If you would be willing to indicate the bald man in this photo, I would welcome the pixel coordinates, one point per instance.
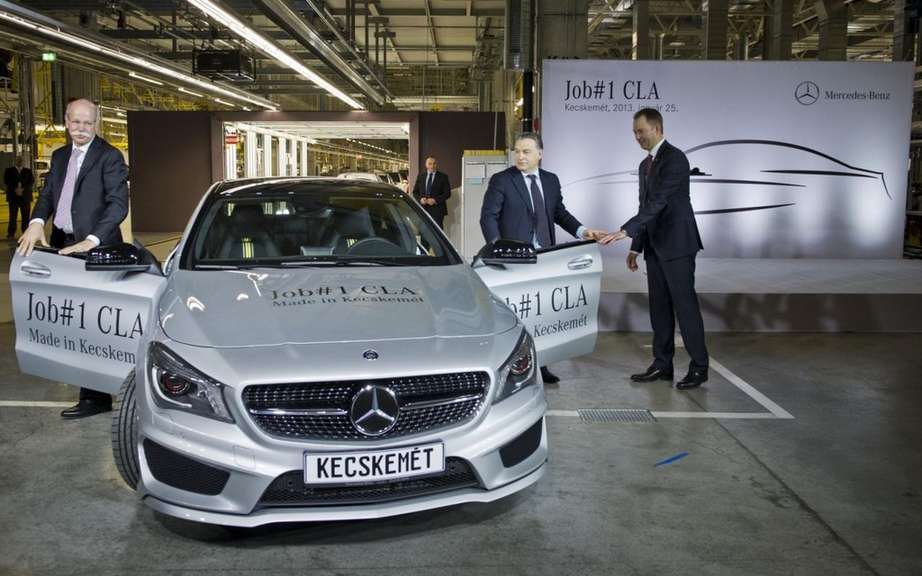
(86, 196)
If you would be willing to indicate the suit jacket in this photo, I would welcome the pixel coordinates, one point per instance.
(441, 191)
(13, 178)
(666, 220)
(507, 211)
(100, 194)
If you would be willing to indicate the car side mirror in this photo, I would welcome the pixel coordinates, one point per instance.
(504, 251)
(118, 257)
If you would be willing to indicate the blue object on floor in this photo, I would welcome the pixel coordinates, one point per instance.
(671, 459)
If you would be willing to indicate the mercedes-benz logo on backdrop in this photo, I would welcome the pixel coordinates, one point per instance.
(374, 410)
(807, 93)
(370, 355)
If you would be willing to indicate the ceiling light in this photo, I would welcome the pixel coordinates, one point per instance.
(270, 48)
(131, 59)
(191, 93)
(145, 78)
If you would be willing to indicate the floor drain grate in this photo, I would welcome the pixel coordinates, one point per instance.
(601, 415)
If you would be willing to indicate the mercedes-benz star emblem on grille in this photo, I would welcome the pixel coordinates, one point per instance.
(807, 93)
(374, 410)
(370, 355)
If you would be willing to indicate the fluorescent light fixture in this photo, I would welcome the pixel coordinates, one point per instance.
(219, 101)
(120, 114)
(131, 59)
(115, 120)
(247, 109)
(271, 49)
(191, 93)
(53, 127)
(145, 78)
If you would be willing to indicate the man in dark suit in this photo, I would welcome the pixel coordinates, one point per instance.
(524, 202)
(432, 190)
(665, 231)
(86, 194)
(18, 182)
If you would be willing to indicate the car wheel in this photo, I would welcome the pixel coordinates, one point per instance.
(125, 433)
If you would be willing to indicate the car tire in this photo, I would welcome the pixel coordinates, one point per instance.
(125, 433)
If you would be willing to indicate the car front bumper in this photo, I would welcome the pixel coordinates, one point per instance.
(491, 445)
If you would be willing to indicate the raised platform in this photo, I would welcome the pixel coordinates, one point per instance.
(796, 295)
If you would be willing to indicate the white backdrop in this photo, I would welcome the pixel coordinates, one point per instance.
(797, 159)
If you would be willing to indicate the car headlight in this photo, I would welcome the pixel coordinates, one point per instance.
(519, 370)
(179, 386)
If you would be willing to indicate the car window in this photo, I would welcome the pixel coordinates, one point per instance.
(316, 228)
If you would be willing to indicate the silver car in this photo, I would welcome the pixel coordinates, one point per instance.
(312, 349)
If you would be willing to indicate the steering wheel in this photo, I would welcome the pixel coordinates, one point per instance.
(375, 246)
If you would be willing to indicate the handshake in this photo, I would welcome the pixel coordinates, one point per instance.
(603, 237)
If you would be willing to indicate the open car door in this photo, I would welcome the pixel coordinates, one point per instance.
(556, 297)
(79, 326)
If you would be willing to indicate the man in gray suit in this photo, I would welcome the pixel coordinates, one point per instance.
(86, 195)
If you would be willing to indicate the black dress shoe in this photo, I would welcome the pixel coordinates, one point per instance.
(695, 377)
(85, 408)
(548, 376)
(652, 374)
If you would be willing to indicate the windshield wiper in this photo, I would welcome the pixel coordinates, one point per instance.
(233, 266)
(346, 262)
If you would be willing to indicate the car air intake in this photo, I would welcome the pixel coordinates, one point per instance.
(178, 471)
(523, 446)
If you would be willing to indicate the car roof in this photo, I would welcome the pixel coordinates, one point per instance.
(284, 185)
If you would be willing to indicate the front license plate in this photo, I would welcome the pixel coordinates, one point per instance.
(394, 464)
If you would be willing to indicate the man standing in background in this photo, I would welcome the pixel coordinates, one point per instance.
(18, 182)
(432, 190)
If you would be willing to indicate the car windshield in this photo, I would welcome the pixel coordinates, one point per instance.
(339, 226)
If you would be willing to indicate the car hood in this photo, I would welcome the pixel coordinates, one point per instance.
(266, 307)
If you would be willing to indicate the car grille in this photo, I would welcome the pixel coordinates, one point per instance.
(289, 489)
(320, 410)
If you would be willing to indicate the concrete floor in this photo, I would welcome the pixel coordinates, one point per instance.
(835, 490)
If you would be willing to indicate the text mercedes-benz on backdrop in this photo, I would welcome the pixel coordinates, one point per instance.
(312, 350)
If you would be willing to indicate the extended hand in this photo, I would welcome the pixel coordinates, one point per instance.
(619, 235)
(33, 234)
(82, 246)
(632, 261)
(594, 234)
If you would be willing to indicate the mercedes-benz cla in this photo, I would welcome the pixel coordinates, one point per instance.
(313, 349)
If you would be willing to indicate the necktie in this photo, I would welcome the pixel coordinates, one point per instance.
(649, 164)
(543, 231)
(429, 184)
(62, 217)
